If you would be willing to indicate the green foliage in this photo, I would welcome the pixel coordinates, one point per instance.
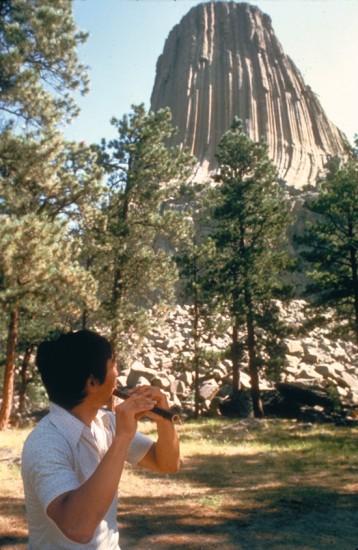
(197, 252)
(130, 256)
(38, 62)
(194, 261)
(330, 243)
(43, 185)
(46, 175)
(271, 346)
(46, 184)
(250, 220)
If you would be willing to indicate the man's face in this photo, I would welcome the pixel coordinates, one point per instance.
(110, 381)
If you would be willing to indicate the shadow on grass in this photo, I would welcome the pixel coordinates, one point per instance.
(246, 505)
(12, 509)
(10, 506)
(285, 520)
(156, 523)
(13, 543)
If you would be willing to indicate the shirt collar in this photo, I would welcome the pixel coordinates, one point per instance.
(66, 423)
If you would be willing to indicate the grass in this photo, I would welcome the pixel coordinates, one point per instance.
(276, 485)
(12, 510)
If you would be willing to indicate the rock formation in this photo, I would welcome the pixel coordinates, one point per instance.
(223, 59)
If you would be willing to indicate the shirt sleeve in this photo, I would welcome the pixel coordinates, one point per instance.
(47, 467)
(138, 448)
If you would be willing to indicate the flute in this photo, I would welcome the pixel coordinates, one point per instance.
(122, 393)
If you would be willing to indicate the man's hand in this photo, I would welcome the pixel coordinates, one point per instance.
(164, 454)
(128, 413)
(159, 398)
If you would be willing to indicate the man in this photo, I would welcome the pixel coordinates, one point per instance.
(73, 460)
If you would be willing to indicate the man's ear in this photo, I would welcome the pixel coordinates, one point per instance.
(91, 384)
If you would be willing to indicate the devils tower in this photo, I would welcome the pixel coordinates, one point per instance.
(223, 60)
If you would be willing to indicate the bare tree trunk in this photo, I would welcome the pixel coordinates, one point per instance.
(24, 376)
(116, 298)
(354, 268)
(196, 361)
(123, 232)
(251, 348)
(84, 319)
(9, 375)
(235, 358)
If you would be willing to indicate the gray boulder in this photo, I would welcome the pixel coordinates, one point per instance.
(137, 371)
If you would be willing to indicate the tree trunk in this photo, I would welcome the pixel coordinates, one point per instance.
(196, 361)
(354, 267)
(9, 375)
(122, 232)
(84, 318)
(115, 302)
(24, 376)
(251, 347)
(235, 358)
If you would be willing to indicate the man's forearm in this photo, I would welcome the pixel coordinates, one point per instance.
(167, 454)
(163, 456)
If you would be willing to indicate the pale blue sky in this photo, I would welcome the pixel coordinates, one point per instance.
(127, 36)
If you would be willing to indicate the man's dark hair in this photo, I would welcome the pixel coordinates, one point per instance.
(66, 364)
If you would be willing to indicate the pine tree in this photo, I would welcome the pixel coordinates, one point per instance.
(135, 268)
(39, 68)
(250, 222)
(194, 261)
(38, 272)
(42, 178)
(42, 186)
(330, 244)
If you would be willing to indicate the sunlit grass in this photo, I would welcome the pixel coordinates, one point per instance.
(274, 436)
(12, 510)
(11, 442)
(13, 438)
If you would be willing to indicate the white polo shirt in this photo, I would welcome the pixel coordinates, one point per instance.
(58, 456)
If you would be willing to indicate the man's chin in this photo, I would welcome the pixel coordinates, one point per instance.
(108, 402)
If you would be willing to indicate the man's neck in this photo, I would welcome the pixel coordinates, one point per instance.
(86, 412)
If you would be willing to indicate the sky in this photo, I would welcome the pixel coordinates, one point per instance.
(126, 38)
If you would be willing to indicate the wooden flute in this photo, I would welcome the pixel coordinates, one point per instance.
(123, 393)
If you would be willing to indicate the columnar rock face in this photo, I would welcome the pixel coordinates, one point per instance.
(222, 60)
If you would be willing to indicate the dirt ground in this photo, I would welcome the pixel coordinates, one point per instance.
(232, 495)
(258, 515)
(284, 526)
